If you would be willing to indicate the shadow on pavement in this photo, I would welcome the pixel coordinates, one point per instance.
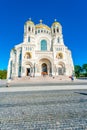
(81, 93)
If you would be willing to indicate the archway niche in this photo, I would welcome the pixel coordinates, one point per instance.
(45, 66)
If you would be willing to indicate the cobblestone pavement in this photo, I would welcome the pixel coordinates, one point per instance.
(47, 110)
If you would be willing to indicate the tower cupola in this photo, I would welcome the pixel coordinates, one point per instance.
(56, 28)
(29, 30)
(29, 27)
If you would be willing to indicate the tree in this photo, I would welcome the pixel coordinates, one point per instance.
(3, 74)
(77, 69)
(84, 67)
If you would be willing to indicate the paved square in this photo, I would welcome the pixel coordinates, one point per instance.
(44, 110)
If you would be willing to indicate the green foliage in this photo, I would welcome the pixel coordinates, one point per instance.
(80, 71)
(85, 75)
(3, 74)
(77, 69)
(85, 67)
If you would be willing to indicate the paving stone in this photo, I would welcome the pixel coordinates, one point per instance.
(47, 110)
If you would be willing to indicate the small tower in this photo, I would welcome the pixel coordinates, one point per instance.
(56, 30)
(29, 31)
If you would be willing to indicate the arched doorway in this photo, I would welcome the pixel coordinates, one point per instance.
(44, 68)
(61, 69)
(28, 69)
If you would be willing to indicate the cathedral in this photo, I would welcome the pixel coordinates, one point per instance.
(42, 52)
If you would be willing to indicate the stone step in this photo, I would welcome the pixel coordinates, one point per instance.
(41, 79)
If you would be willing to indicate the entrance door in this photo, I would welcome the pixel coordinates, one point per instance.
(60, 71)
(28, 72)
(44, 68)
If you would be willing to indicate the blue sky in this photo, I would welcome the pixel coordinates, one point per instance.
(72, 14)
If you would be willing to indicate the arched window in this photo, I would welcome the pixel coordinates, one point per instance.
(57, 29)
(43, 45)
(29, 29)
(20, 56)
(27, 55)
(11, 67)
(59, 56)
(41, 31)
(38, 31)
(29, 39)
(58, 40)
(19, 68)
(54, 30)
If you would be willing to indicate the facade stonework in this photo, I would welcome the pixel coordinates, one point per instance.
(42, 52)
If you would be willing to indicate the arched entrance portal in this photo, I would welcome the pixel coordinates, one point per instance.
(61, 69)
(28, 69)
(44, 68)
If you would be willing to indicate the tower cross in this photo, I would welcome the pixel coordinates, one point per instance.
(55, 20)
(29, 19)
(41, 21)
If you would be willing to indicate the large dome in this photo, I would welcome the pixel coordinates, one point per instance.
(43, 26)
